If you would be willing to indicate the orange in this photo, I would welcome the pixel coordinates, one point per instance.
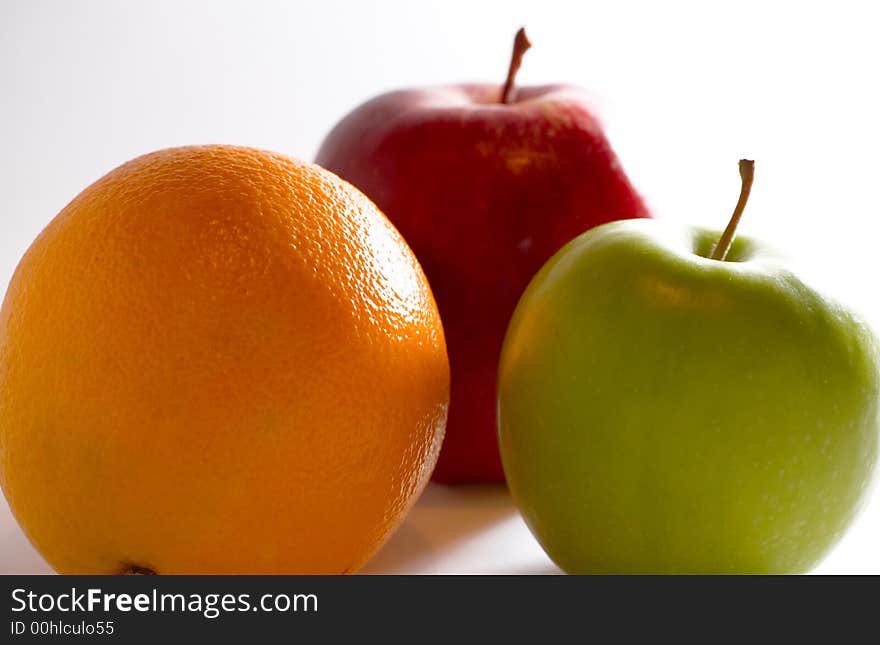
(218, 360)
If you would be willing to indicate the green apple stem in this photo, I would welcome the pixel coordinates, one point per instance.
(520, 45)
(747, 174)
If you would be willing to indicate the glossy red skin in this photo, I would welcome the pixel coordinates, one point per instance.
(484, 194)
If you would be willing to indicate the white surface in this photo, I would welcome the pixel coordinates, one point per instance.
(686, 89)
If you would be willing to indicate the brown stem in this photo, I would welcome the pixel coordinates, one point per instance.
(747, 174)
(135, 570)
(520, 45)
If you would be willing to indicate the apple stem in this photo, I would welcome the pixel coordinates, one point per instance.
(747, 174)
(520, 46)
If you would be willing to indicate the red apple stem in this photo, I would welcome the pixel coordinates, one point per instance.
(520, 45)
(747, 174)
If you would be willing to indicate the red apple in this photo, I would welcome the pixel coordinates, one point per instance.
(485, 183)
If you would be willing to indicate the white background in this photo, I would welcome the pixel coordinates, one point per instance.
(685, 90)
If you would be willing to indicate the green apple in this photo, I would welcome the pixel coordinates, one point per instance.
(669, 404)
